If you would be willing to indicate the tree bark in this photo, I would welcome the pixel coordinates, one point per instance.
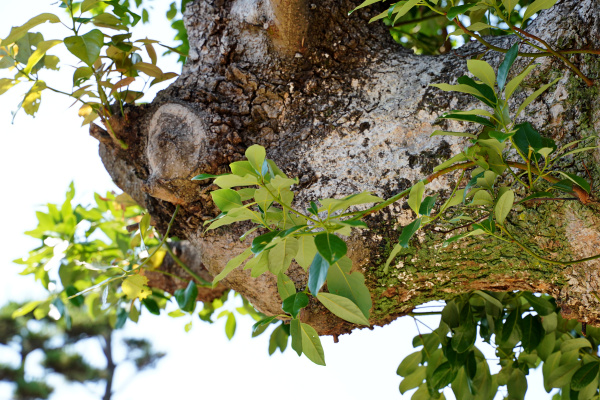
(341, 106)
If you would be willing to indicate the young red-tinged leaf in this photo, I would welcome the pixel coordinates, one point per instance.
(164, 77)
(148, 69)
(122, 83)
(343, 308)
(311, 344)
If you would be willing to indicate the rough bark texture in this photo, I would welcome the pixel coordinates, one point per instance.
(338, 104)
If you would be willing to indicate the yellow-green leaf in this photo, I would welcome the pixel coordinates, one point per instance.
(483, 71)
(343, 308)
(538, 6)
(18, 32)
(6, 83)
(33, 98)
(135, 287)
(311, 344)
(37, 55)
(504, 205)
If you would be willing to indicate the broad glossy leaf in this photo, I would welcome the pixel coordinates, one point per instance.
(504, 205)
(317, 274)
(264, 241)
(585, 375)
(546, 346)
(330, 247)
(413, 380)
(509, 59)
(410, 363)
(311, 344)
(538, 6)
(332, 205)
(487, 96)
(256, 156)
(415, 197)
(296, 334)
(306, 251)
(468, 118)
(442, 376)
(37, 55)
(532, 332)
(574, 344)
(232, 264)
(226, 199)
(280, 256)
(517, 385)
(482, 70)
(577, 180)
(230, 180)
(562, 375)
(343, 308)
(86, 47)
(342, 282)
(464, 337)
(510, 325)
(408, 231)
(427, 205)
(285, 286)
(294, 303)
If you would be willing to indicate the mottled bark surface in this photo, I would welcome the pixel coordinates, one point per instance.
(339, 105)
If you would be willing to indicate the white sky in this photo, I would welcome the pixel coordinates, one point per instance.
(40, 156)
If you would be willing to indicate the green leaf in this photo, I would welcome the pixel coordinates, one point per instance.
(230, 326)
(186, 299)
(534, 96)
(453, 12)
(151, 306)
(343, 308)
(504, 205)
(405, 8)
(256, 156)
(482, 70)
(532, 332)
(260, 324)
(527, 137)
(537, 6)
(365, 3)
(509, 59)
(200, 177)
(262, 242)
(26, 309)
(442, 376)
(415, 197)
(464, 337)
(317, 274)
(32, 100)
(410, 363)
(232, 264)
(89, 4)
(279, 339)
(6, 83)
(517, 385)
(350, 285)
(489, 298)
(330, 247)
(541, 306)
(280, 256)
(226, 199)
(516, 81)
(86, 47)
(40, 52)
(537, 195)
(306, 251)
(585, 375)
(311, 344)
(17, 33)
(458, 134)
(294, 303)
(134, 286)
(296, 334)
(427, 205)
(413, 380)
(332, 205)
(582, 183)
(562, 375)
(230, 180)
(510, 325)
(574, 344)
(408, 231)
(285, 286)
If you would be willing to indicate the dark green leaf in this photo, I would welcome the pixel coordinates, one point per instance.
(564, 185)
(262, 322)
(500, 136)
(532, 332)
(537, 195)
(330, 247)
(293, 304)
(442, 376)
(151, 306)
(464, 337)
(311, 344)
(585, 375)
(313, 209)
(509, 59)
(517, 385)
(487, 93)
(471, 365)
(427, 205)
(408, 231)
(76, 301)
(562, 375)
(204, 176)
(317, 274)
(527, 137)
(509, 325)
(261, 242)
(296, 334)
(577, 180)
(186, 299)
(451, 315)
